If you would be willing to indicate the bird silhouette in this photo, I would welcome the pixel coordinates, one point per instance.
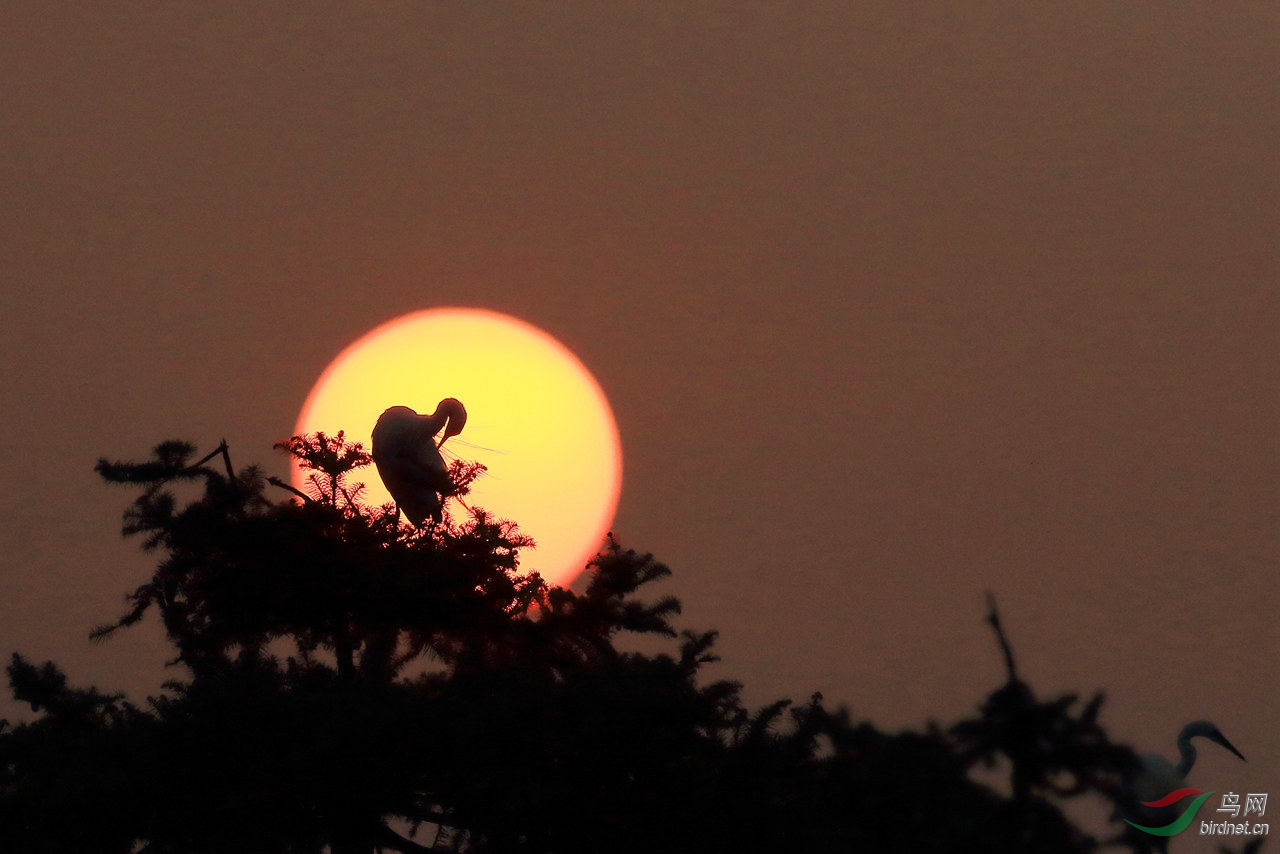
(408, 457)
(1158, 777)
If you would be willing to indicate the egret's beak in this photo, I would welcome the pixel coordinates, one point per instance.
(1222, 739)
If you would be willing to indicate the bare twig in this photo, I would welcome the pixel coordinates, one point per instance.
(226, 459)
(275, 481)
(993, 617)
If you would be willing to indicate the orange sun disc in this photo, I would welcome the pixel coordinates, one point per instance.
(535, 417)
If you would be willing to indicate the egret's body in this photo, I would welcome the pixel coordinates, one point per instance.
(1159, 777)
(408, 456)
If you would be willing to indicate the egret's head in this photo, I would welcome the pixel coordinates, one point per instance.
(1208, 730)
(455, 414)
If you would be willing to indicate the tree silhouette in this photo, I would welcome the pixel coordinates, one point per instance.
(349, 682)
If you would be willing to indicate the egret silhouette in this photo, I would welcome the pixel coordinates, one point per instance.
(408, 457)
(1159, 777)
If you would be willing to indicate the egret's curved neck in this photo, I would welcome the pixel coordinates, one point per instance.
(1187, 752)
(431, 424)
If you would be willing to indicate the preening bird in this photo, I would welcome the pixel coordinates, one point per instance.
(408, 456)
(1159, 777)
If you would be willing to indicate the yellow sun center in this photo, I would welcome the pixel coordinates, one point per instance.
(535, 417)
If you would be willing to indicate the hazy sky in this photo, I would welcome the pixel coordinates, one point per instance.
(895, 304)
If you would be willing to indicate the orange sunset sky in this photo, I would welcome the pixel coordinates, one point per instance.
(894, 304)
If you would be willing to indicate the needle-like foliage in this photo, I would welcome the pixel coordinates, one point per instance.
(345, 682)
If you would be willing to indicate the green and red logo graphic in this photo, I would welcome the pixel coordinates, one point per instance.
(1181, 822)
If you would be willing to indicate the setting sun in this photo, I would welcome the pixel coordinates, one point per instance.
(536, 418)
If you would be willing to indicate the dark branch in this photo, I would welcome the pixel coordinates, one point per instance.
(226, 459)
(993, 617)
(275, 481)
